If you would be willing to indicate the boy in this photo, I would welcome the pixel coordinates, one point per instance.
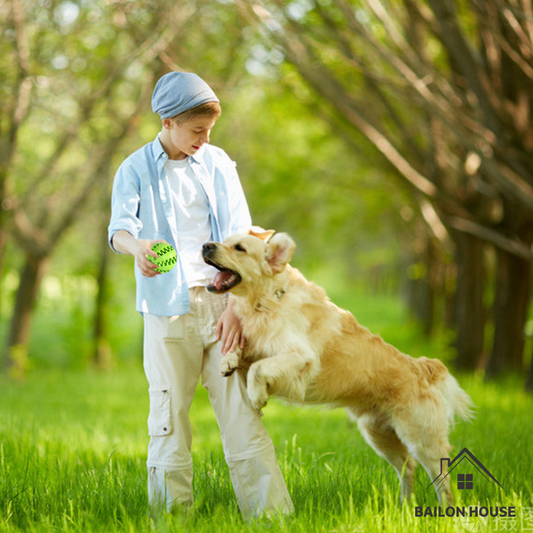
(181, 190)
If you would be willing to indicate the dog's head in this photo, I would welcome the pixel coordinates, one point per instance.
(245, 259)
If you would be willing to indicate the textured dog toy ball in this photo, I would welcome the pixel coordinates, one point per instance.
(167, 257)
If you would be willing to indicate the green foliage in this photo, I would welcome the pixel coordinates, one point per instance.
(300, 177)
(62, 334)
(88, 64)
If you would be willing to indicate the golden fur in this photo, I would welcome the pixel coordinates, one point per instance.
(302, 347)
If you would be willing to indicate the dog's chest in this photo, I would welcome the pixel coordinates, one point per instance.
(266, 340)
(267, 336)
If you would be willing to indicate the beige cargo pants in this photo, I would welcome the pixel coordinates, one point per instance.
(177, 351)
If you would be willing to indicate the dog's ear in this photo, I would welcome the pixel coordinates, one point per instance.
(260, 233)
(279, 251)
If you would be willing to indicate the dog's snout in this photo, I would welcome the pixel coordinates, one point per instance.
(208, 248)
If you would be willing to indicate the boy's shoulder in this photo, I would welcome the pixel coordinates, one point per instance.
(142, 163)
(148, 151)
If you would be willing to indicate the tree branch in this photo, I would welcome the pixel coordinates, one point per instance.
(24, 81)
(465, 58)
(512, 246)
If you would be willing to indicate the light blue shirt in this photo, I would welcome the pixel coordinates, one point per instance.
(142, 205)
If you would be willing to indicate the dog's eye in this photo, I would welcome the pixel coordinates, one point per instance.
(239, 248)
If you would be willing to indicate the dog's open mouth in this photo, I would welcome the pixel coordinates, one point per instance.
(224, 280)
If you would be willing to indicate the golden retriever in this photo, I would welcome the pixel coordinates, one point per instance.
(302, 347)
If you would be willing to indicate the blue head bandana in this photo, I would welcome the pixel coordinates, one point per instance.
(177, 92)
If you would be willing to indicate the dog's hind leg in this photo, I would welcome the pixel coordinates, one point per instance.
(385, 442)
(430, 459)
(424, 431)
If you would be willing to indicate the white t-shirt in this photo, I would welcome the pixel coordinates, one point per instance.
(194, 224)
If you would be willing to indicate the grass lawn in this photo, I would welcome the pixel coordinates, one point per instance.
(73, 452)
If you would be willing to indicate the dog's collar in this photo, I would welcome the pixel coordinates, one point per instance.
(278, 294)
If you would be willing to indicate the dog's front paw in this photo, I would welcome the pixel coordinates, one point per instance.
(229, 363)
(258, 397)
(257, 390)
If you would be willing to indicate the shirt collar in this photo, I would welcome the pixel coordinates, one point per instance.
(157, 150)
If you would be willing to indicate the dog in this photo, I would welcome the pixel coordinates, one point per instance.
(302, 347)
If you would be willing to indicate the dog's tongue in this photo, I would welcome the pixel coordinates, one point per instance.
(222, 278)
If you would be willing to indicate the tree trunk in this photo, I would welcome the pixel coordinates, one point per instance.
(513, 287)
(421, 297)
(419, 293)
(15, 357)
(3, 222)
(420, 303)
(529, 380)
(469, 309)
(2, 255)
(101, 352)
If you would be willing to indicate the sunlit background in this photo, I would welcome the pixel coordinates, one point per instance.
(392, 139)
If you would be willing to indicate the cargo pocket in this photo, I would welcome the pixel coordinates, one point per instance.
(159, 417)
(175, 329)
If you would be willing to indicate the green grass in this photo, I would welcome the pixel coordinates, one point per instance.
(72, 458)
(73, 451)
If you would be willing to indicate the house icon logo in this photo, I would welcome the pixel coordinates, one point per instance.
(464, 481)
(473, 517)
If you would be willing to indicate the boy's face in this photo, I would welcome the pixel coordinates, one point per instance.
(181, 140)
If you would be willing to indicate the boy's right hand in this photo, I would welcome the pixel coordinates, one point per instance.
(126, 243)
(141, 250)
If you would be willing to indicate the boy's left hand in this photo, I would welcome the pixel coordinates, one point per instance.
(229, 331)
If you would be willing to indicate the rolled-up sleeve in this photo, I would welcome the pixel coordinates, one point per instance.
(239, 212)
(125, 201)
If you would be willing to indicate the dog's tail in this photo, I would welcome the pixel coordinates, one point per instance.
(458, 403)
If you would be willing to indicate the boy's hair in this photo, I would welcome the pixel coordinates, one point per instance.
(209, 109)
